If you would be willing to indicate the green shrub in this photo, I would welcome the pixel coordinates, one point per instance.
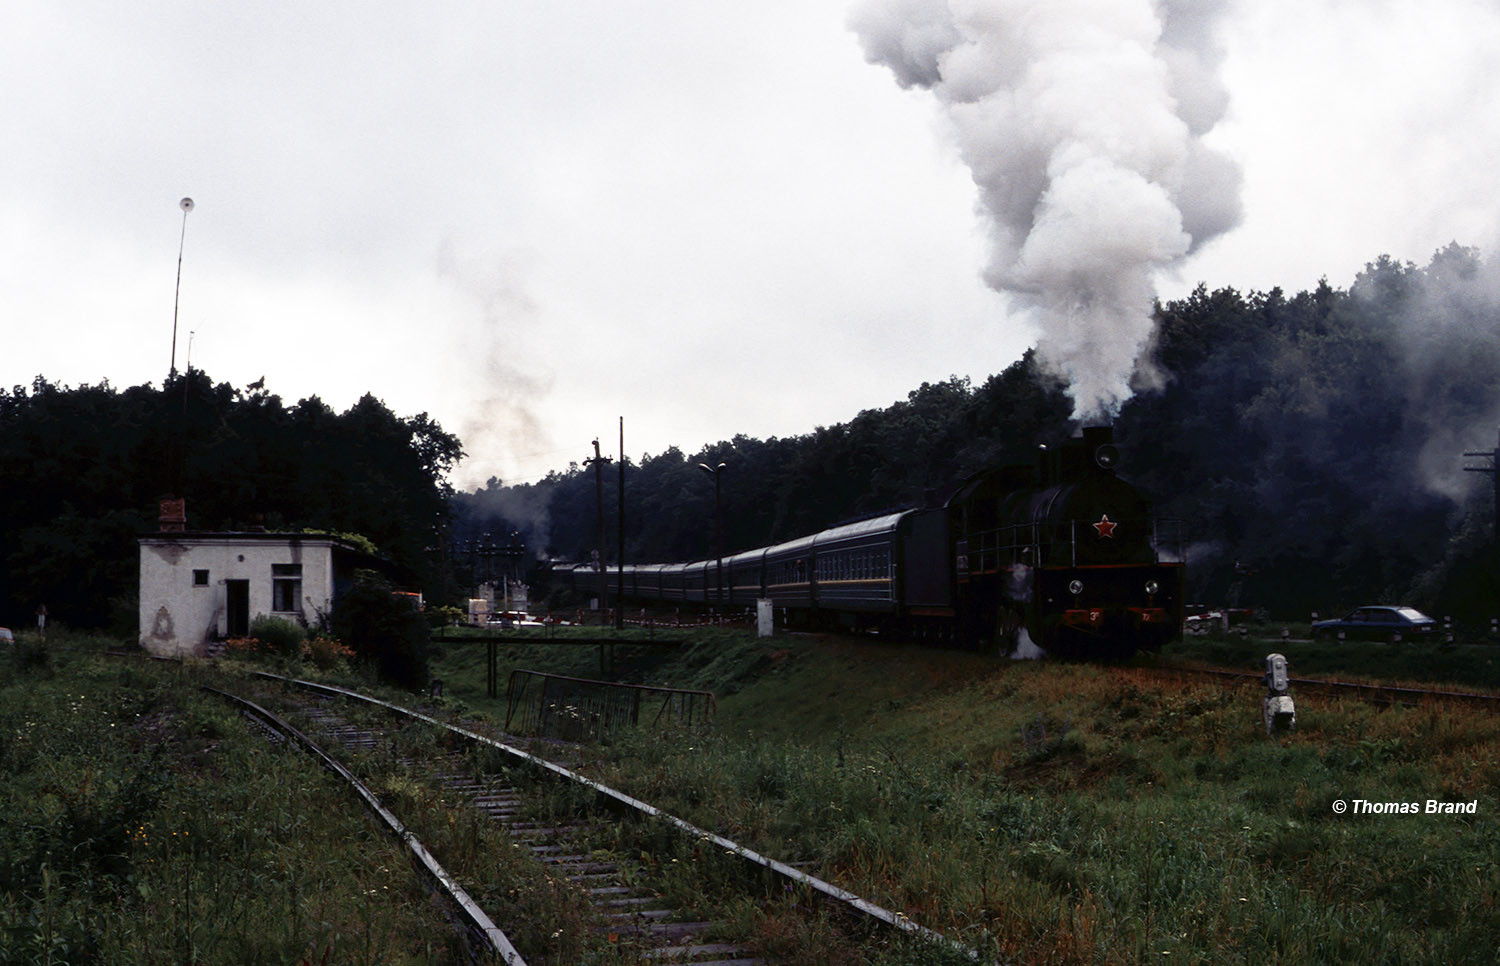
(281, 635)
(384, 630)
(444, 616)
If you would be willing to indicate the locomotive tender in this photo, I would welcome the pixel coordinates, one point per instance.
(1062, 552)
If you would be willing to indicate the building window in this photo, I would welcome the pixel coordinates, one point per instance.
(200, 578)
(286, 587)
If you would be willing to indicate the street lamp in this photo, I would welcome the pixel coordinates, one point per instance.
(717, 472)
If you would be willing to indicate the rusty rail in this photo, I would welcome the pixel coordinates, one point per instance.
(573, 708)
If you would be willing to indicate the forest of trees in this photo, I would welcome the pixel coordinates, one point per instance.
(1312, 444)
(82, 471)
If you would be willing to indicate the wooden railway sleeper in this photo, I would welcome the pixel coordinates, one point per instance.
(624, 910)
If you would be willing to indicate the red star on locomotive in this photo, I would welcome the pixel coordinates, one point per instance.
(1105, 526)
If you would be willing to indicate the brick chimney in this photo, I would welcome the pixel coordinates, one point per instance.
(173, 517)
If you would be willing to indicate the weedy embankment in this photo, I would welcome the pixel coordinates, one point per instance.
(1050, 812)
(144, 823)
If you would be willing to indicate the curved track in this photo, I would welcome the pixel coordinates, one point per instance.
(478, 925)
(633, 914)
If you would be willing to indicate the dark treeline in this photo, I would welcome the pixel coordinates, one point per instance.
(1313, 445)
(82, 471)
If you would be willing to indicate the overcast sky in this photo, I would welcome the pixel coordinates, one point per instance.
(531, 218)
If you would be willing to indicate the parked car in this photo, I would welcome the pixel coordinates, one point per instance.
(1199, 614)
(1378, 624)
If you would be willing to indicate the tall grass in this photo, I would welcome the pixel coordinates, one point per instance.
(547, 918)
(1039, 812)
(144, 823)
(1066, 813)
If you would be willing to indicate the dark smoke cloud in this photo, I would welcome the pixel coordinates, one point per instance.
(526, 509)
(1447, 335)
(1082, 124)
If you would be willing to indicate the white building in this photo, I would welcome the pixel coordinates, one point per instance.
(201, 587)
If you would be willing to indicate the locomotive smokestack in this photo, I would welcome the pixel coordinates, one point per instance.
(1088, 453)
(1099, 444)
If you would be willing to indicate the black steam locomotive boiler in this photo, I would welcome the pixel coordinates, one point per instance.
(1066, 554)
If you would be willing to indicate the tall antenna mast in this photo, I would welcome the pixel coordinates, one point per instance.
(186, 205)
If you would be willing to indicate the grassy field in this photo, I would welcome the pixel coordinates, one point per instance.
(1038, 812)
(1079, 813)
(143, 823)
(1470, 665)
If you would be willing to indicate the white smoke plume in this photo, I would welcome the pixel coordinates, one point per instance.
(497, 359)
(1082, 124)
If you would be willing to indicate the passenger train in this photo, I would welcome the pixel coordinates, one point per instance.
(1060, 552)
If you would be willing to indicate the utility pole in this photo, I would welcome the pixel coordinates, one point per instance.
(717, 472)
(598, 463)
(1494, 470)
(620, 543)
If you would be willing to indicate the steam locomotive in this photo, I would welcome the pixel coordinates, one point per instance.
(1061, 553)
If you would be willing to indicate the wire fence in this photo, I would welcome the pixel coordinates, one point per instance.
(575, 709)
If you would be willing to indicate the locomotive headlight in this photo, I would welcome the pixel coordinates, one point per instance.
(1152, 587)
(1075, 588)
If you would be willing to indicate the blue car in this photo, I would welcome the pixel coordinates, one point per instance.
(1378, 624)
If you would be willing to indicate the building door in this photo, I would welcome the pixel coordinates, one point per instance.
(237, 609)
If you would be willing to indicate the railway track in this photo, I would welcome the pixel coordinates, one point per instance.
(571, 827)
(479, 929)
(1377, 693)
(575, 851)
